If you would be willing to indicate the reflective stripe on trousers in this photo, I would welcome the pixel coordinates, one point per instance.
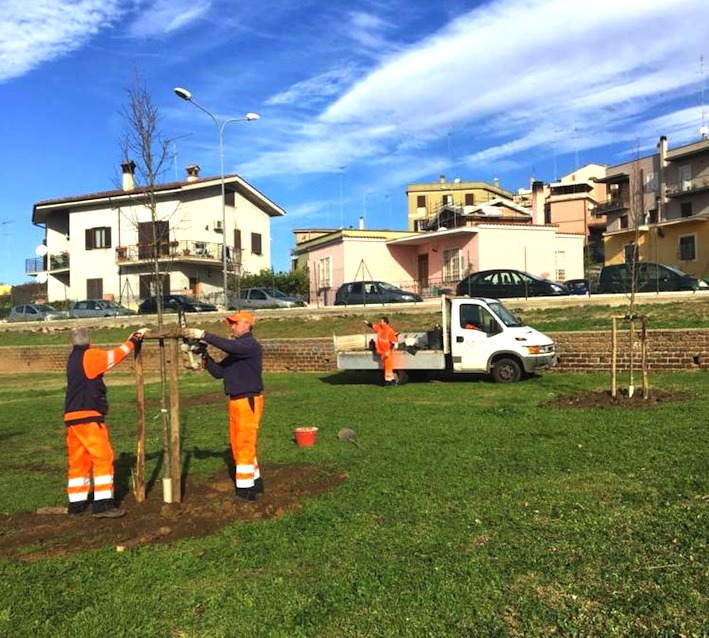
(244, 418)
(88, 445)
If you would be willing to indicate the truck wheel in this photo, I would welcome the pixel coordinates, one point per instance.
(506, 370)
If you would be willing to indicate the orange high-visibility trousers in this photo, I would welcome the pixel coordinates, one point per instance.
(88, 446)
(244, 419)
(388, 364)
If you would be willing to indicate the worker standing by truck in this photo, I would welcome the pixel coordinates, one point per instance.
(385, 345)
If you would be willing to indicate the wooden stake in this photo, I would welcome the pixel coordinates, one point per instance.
(175, 471)
(646, 383)
(614, 359)
(139, 476)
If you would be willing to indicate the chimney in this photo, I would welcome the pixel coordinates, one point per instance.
(361, 223)
(193, 172)
(496, 182)
(442, 179)
(538, 202)
(128, 169)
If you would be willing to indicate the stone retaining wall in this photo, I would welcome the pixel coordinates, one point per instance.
(577, 351)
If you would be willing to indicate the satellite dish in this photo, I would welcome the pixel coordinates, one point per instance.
(41, 250)
(42, 277)
(704, 131)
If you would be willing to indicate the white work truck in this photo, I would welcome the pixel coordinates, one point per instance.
(475, 335)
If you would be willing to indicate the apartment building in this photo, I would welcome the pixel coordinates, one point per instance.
(106, 244)
(658, 207)
(426, 201)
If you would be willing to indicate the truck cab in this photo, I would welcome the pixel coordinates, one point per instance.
(486, 337)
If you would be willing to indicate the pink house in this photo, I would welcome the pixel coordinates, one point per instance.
(494, 235)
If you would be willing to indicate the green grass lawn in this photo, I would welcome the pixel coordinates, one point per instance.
(474, 510)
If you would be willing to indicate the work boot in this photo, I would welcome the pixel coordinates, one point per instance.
(76, 509)
(246, 493)
(106, 508)
(258, 486)
(113, 512)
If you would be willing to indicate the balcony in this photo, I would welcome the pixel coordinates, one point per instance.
(612, 205)
(688, 187)
(186, 250)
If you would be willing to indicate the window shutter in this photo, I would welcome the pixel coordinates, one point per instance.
(107, 243)
(89, 238)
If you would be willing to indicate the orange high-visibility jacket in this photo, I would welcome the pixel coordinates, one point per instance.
(386, 337)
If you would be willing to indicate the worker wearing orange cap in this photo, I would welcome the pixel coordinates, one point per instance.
(241, 371)
(385, 344)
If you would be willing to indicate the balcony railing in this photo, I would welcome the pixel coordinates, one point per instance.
(687, 187)
(611, 205)
(174, 250)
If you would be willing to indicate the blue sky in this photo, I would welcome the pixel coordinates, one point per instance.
(357, 98)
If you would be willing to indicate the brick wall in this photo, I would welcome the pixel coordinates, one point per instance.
(577, 351)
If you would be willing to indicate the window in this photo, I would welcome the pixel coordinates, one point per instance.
(229, 198)
(451, 264)
(650, 183)
(448, 200)
(421, 201)
(560, 265)
(256, 244)
(687, 248)
(685, 177)
(98, 237)
(685, 209)
(153, 239)
(324, 273)
(470, 199)
(237, 239)
(94, 288)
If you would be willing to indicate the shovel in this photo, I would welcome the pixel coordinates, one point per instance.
(347, 434)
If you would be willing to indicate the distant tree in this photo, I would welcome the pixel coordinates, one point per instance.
(292, 283)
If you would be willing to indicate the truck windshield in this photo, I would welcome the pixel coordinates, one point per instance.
(504, 315)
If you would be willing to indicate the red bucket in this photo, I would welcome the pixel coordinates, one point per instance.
(305, 437)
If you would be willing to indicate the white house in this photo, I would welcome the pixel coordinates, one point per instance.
(102, 245)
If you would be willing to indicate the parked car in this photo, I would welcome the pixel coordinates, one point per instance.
(36, 312)
(578, 286)
(505, 282)
(362, 292)
(98, 308)
(264, 298)
(173, 303)
(649, 277)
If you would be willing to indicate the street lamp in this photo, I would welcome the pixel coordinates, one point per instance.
(221, 125)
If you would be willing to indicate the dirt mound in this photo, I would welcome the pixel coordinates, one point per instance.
(205, 509)
(604, 399)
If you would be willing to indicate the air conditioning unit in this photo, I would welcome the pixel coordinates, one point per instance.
(218, 226)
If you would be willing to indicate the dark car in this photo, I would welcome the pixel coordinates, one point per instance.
(264, 298)
(364, 292)
(505, 282)
(649, 277)
(578, 286)
(98, 308)
(173, 303)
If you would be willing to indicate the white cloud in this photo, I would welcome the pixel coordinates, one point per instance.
(167, 16)
(36, 31)
(511, 73)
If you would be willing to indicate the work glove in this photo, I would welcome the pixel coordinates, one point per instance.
(193, 333)
(139, 334)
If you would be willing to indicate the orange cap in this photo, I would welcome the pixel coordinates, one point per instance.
(242, 315)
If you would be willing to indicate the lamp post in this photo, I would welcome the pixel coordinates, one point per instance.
(221, 125)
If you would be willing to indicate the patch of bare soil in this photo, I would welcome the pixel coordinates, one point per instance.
(205, 509)
(604, 399)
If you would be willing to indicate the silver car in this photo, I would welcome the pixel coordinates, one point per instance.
(264, 298)
(35, 312)
(98, 308)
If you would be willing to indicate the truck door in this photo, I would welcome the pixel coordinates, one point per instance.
(473, 337)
